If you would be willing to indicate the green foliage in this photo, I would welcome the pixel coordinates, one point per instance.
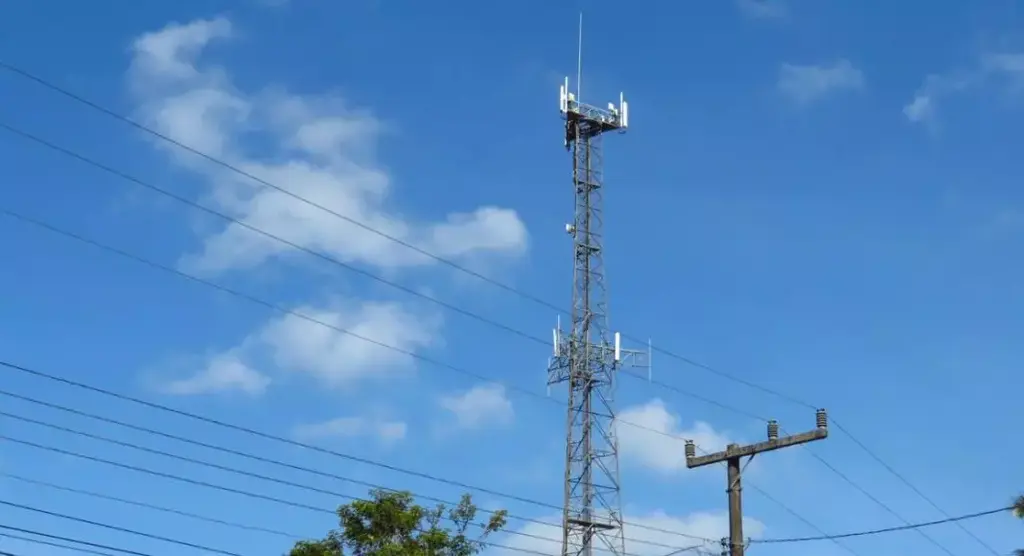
(392, 524)
(1018, 512)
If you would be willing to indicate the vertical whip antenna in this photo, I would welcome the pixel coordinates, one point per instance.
(579, 62)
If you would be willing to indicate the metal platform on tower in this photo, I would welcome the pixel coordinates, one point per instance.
(595, 120)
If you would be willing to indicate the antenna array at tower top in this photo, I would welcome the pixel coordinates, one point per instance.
(613, 117)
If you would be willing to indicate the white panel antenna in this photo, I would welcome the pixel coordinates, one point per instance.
(563, 96)
(623, 111)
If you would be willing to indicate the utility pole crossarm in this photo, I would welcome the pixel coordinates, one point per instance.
(773, 443)
(760, 447)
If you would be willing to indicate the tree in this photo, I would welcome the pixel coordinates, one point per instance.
(1018, 512)
(391, 524)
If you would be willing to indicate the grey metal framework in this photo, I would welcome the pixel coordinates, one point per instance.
(587, 357)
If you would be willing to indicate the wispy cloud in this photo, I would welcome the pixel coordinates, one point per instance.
(1006, 68)
(384, 431)
(324, 153)
(304, 346)
(223, 373)
(805, 84)
(482, 405)
(321, 148)
(763, 9)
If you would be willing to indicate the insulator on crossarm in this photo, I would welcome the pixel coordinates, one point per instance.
(773, 430)
(821, 418)
(691, 449)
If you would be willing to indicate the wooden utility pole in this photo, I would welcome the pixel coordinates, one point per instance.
(733, 455)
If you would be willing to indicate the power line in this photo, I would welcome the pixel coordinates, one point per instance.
(881, 504)
(118, 528)
(366, 227)
(313, 320)
(476, 316)
(831, 467)
(70, 540)
(801, 518)
(228, 166)
(276, 480)
(223, 488)
(53, 544)
(264, 303)
(198, 461)
(916, 490)
(451, 307)
(148, 506)
(403, 288)
(297, 314)
(257, 230)
(290, 312)
(272, 461)
(162, 474)
(217, 521)
(204, 518)
(141, 127)
(956, 519)
(838, 426)
(268, 436)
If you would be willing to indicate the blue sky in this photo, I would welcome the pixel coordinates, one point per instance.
(815, 196)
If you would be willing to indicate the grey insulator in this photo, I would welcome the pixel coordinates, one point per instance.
(821, 418)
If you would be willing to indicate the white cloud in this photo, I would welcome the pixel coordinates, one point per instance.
(479, 406)
(1006, 63)
(805, 84)
(646, 433)
(322, 150)
(922, 108)
(657, 532)
(762, 9)
(225, 372)
(318, 147)
(385, 431)
(337, 359)
(334, 359)
(1006, 67)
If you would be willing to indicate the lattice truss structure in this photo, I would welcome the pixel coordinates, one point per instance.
(587, 356)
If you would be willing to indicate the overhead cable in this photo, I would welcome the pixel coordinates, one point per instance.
(273, 461)
(148, 506)
(66, 540)
(871, 532)
(268, 478)
(96, 106)
(128, 530)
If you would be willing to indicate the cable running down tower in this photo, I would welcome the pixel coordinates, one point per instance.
(587, 356)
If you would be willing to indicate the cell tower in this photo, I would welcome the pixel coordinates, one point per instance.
(587, 357)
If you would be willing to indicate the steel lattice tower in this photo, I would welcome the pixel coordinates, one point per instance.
(588, 356)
